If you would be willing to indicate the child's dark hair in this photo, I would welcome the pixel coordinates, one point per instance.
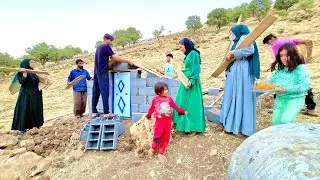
(268, 38)
(79, 61)
(295, 58)
(170, 55)
(160, 87)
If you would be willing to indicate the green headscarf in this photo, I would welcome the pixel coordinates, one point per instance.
(254, 59)
(15, 85)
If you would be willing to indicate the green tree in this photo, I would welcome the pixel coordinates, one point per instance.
(43, 53)
(68, 52)
(284, 4)
(157, 33)
(218, 17)
(193, 23)
(98, 43)
(120, 38)
(85, 51)
(234, 13)
(259, 8)
(7, 60)
(133, 35)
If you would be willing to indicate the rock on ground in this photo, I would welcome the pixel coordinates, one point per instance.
(290, 151)
(22, 166)
(142, 134)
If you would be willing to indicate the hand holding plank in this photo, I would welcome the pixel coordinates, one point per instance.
(264, 24)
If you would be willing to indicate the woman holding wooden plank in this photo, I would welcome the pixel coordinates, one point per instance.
(190, 98)
(28, 112)
(238, 114)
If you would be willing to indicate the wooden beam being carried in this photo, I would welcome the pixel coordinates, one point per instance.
(6, 69)
(75, 81)
(150, 70)
(264, 24)
(181, 77)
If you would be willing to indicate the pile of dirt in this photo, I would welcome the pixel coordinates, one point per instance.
(41, 141)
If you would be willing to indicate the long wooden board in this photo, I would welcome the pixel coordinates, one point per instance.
(150, 70)
(6, 69)
(75, 81)
(44, 82)
(181, 77)
(264, 24)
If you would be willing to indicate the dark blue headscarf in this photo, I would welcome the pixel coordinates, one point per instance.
(189, 45)
(254, 59)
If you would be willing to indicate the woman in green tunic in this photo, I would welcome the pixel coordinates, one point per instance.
(190, 98)
(28, 112)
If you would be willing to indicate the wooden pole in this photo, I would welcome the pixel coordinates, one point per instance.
(6, 69)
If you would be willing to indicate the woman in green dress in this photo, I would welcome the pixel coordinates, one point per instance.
(190, 98)
(28, 112)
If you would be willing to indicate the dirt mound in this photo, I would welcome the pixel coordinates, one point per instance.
(42, 141)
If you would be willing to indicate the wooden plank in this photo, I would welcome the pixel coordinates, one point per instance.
(181, 77)
(44, 82)
(6, 69)
(264, 24)
(75, 81)
(150, 70)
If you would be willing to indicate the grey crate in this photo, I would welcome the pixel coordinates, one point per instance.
(109, 139)
(94, 136)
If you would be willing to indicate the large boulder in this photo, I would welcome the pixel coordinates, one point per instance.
(8, 141)
(22, 166)
(290, 151)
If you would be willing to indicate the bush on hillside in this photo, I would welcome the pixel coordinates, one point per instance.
(306, 4)
(283, 13)
(6, 60)
(284, 4)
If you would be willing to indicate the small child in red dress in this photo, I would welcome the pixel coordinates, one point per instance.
(161, 107)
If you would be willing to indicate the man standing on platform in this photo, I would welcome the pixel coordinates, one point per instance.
(101, 75)
(79, 89)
